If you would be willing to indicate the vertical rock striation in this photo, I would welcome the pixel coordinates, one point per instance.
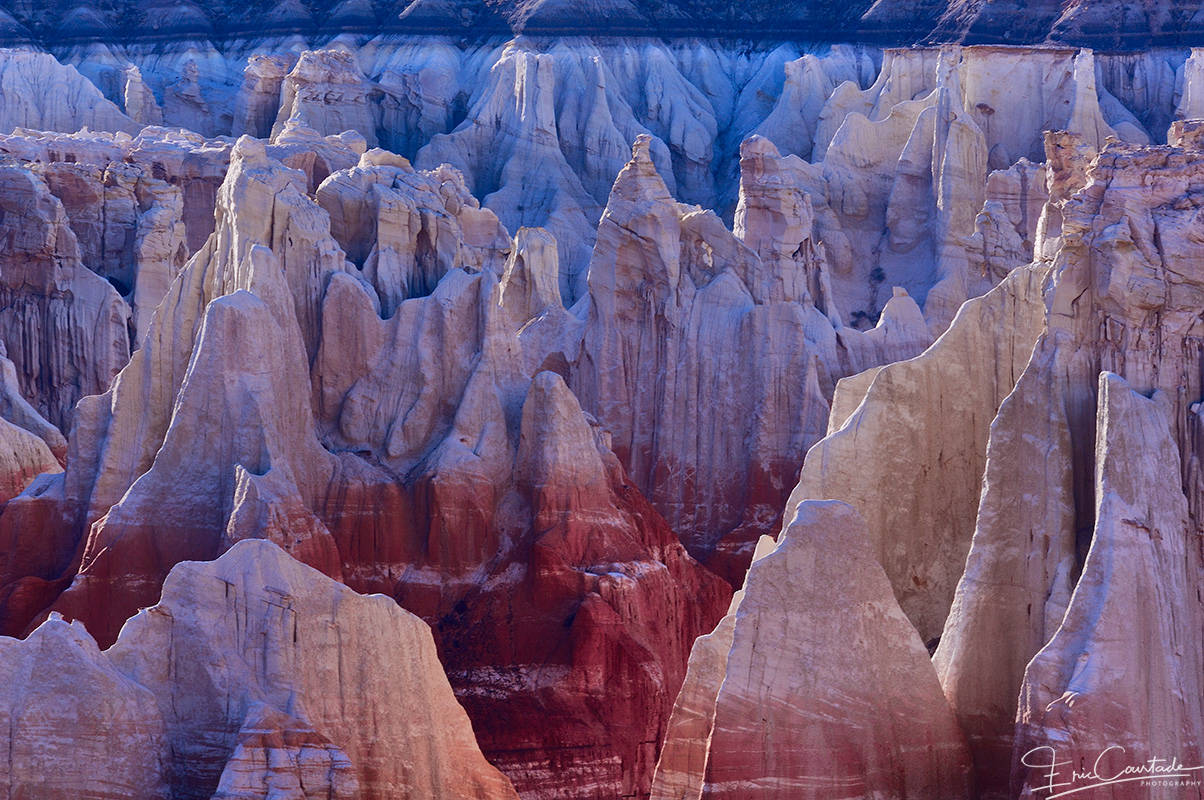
(813, 633)
(668, 284)
(63, 325)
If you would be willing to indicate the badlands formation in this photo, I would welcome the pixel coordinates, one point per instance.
(453, 402)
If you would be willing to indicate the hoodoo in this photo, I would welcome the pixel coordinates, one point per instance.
(591, 400)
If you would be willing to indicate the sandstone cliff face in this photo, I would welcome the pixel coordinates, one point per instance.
(406, 229)
(1011, 586)
(63, 325)
(518, 530)
(298, 653)
(135, 442)
(23, 457)
(326, 92)
(66, 701)
(129, 226)
(575, 107)
(43, 94)
(668, 284)
(492, 110)
(1074, 701)
(919, 491)
(923, 520)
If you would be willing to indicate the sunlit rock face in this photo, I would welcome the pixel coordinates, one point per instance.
(770, 687)
(252, 675)
(1085, 377)
(1072, 514)
(544, 339)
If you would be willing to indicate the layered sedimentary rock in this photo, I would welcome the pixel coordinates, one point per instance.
(773, 679)
(1099, 23)
(63, 325)
(1077, 703)
(253, 675)
(516, 122)
(406, 229)
(900, 22)
(23, 456)
(504, 390)
(1130, 309)
(253, 275)
(17, 410)
(1026, 655)
(919, 493)
(224, 19)
(183, 159)
(514, 493)
(29, 444)
(574, 107)
(258, 101)
(669, 283)
(68, 708)
(287, 650)
(904, 162)
(446, 489)
(129, 226)
(326, 92)
(923, 520)
(140, 206)
(43, 94)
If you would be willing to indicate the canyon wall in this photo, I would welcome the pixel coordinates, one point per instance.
(545, 340)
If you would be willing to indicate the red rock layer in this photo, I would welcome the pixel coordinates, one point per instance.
(419, 456)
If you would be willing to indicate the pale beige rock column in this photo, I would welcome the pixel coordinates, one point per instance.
(912, 474)
(825, 691)
(1125, 667)
(140, 103)
(681, 768)
(1125, 297)
(1019, 572)
(1191, 102)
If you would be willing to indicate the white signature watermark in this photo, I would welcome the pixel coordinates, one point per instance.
(1109, 768)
